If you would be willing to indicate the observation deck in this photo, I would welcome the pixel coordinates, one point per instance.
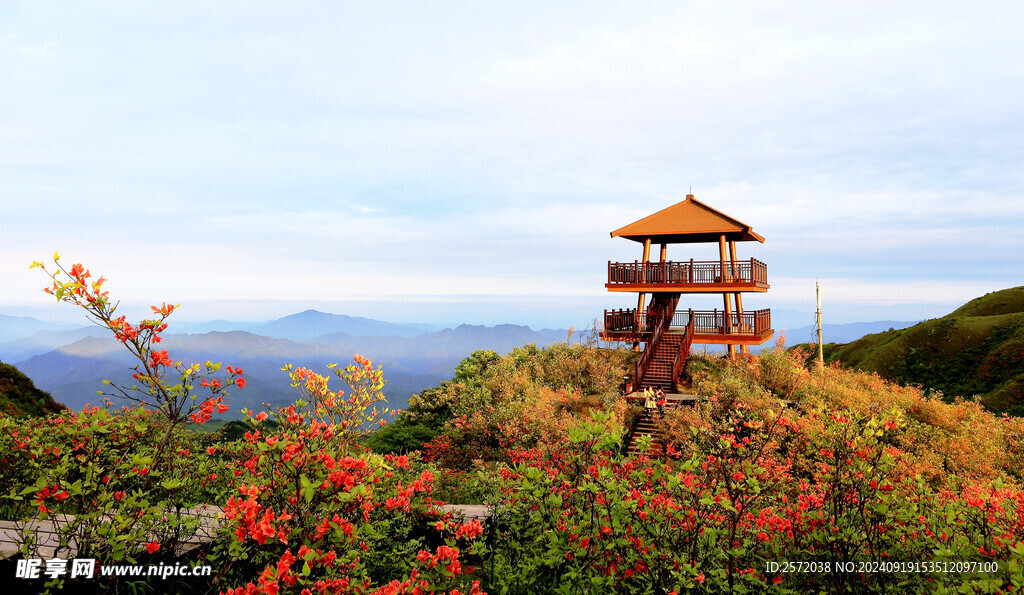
(691, 276)
(710, 327)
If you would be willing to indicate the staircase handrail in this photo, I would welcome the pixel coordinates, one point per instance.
(679, 364)
(645, 357)
(659, 319)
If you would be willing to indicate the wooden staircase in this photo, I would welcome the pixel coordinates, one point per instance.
(664, 358)
(659, 369)
(645, 427)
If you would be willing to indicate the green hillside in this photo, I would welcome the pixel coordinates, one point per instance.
(20, 397)
(978, 349)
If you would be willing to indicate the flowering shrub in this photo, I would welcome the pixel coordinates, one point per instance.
(352, 416)
(90, 475)
(307, 515)
(581, 515)
(115, 484)
(937, 438)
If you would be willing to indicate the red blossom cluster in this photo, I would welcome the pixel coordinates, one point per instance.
(54, 491)
(301, 495)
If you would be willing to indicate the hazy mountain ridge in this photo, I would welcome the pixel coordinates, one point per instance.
(16, 327)
(74, 373)
(843, 333)
(22, 337)
(311, 323)
(22, 348)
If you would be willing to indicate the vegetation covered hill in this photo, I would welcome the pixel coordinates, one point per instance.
(494, 402)
(532, 396)
(978, 349)
(20, 397)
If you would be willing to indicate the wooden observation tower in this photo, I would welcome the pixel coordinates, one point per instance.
(667, 333)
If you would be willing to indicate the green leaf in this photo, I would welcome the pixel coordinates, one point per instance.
(308, 488)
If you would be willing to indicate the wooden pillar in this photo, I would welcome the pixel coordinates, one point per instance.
(732, 259)
(643, 279)
(738, 296)
(721, 258)
(664, 267)
(727, 315)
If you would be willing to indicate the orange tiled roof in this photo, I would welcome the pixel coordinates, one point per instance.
(685, 222)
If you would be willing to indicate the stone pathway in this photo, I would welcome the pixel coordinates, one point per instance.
(469, 512)
(47, 535)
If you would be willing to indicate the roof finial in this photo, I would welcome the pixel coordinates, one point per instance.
(690, 195)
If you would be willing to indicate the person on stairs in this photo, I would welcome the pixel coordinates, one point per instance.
(649, 402)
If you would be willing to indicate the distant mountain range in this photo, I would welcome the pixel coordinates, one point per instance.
(13, 328)
(842, 333)
(71, 363)
(19, 349)
(22, 337)
(312, 324)
(308, 325)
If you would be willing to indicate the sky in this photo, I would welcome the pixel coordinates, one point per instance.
(465, 162)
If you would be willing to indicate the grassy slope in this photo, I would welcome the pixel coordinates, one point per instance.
(976, 350)
(20, 397)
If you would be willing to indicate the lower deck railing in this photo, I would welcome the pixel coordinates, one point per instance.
(705, 322)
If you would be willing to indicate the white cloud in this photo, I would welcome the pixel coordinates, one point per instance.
(283, 153)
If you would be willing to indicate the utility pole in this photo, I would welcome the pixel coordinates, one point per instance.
(821, 349)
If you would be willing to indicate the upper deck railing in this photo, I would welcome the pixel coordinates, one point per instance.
(750, 272)
(705, 322)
